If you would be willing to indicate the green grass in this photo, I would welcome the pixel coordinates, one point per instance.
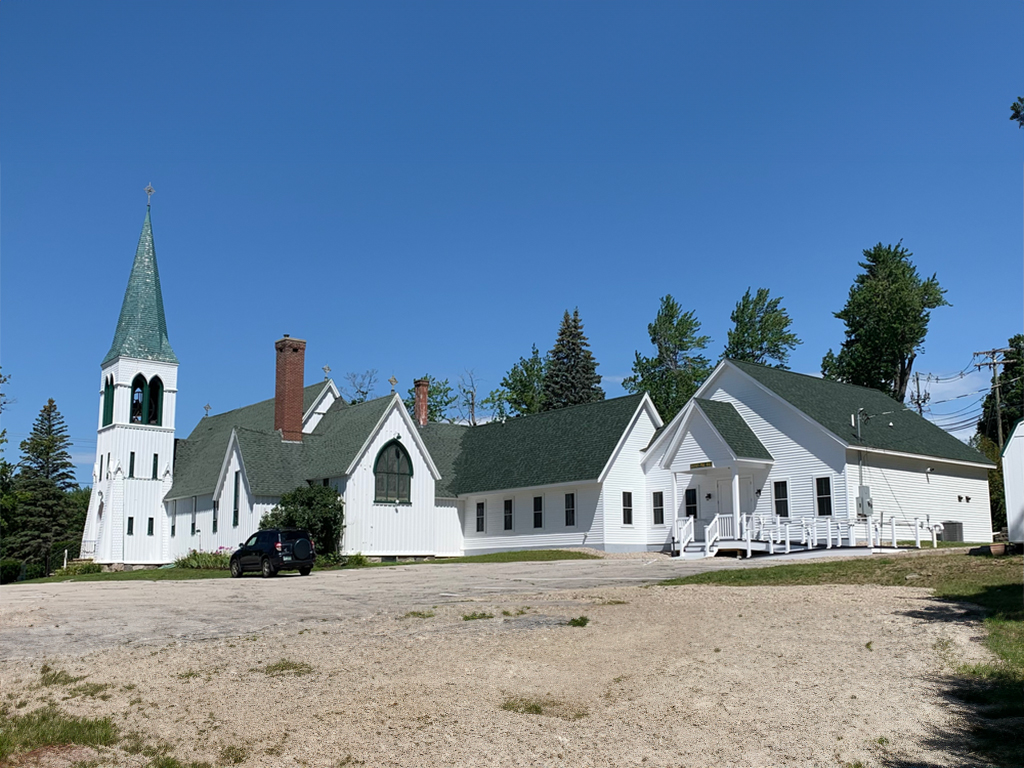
(49, 676)
(478, 615)
(50, 726)
(523, 556)
(552, 707)
(284, 667)
(993, 583)
(582, 621)
(419, 615)
(159, 574)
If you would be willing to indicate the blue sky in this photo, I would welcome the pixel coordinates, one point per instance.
(427, 187)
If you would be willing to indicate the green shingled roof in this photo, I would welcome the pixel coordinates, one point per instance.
(734, 430)
(198, 459)
(830, 403)
(142, 328)
(562, 446)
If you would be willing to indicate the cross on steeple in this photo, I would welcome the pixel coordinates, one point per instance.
(327, 372)
(207, 409)
(149, 193)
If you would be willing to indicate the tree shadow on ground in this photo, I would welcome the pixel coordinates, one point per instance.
(986, 701)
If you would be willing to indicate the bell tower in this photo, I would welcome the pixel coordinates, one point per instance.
(134, 464)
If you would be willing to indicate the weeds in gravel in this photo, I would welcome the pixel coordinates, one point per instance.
(615, 602)
(517, 612)
(166, 761)
(50, 726)
(284, 667)
(48, 677)
(189, 674)
(419, 615)
(477, 615)
(90, 689)
(868, 645)
(528, 705)
(581, 621)
(233, 754)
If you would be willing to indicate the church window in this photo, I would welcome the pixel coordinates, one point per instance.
(627, 508)
(508, 515)
(156, 460)
(101, 466)
(658, 504)
(480, 517)
(538, 511)
(174, 517)
(149, 527)
(155, 402)
(131, 464)
(193, 515)
(131, 526)
(139, 391)
(570, 510)
(108, 401)
(216, 509)
(393, 475)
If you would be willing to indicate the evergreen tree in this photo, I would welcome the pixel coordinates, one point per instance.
(45, 450)
(38, 520)
(678, 369)
(440, 398)
(886, 318)
(522, 390)
(760, 331)
(1011, 394)
(571, 377)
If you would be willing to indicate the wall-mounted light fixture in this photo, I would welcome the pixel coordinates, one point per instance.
(930, 469)
(707, 497)
(758, 493)
(967, 499)
(960, 499)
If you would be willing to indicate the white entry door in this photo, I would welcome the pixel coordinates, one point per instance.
(725, 497)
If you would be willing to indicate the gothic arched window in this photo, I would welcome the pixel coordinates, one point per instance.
(154, 411)
(393, 475)
(139, 388)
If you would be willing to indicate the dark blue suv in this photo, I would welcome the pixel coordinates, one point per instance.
(273, 550)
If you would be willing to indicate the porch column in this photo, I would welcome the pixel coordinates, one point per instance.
(735, 501)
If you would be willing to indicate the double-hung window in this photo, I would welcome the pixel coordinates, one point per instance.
(627, 508)
(216, 509)
(508, 514)
(149, 527)
(658, 505)
(156, 461)
(690, 502)
(823, 495)
(194, 505)
(480, 509)
(538, 511)
(780, 495)
(131, 526)
(131, 464)
(570, 510)
(174, 517)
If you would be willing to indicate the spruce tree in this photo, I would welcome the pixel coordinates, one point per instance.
(39, 519)
(45, 450)
(571, 376)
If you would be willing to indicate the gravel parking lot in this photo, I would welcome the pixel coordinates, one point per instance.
(333, 669)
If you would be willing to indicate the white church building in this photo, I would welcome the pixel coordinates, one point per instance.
(760, 459)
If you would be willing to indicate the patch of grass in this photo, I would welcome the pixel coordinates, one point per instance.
(615, 602)
(882, 741)
(529, 705)
(580, 621)
(88, 689)
(189, 674)
(233, 754)
(349, 760)
(523, 556)
(868, 645)
(517, 612)
(49, 676)
(49, 726)
(419, 615)
(285, 667)
(157, 574)
(166, 761)
(477, 615)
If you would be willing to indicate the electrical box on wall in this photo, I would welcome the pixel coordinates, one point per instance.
(865, 505)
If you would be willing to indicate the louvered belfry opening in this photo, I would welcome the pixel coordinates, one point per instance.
(291, 360)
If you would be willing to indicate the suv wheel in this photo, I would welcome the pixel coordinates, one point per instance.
(304, 571)
(236, 568)
(268, 569)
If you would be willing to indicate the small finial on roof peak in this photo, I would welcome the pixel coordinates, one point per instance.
(149, 193)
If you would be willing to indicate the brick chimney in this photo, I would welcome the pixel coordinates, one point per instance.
(421, 408)
(291, 360)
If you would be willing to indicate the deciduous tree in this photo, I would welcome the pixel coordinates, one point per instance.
(1011, 394)
(678, 368)
(571, 376)
(359, 386)
(760, 332)
(316, 509)
(440, 399)
(521, 391)
(886, 316)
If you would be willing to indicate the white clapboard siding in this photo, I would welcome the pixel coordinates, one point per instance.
(1013, 482)
(802, 450)
(552, 534)
(627, 474)
(391, 529)
(903, 488)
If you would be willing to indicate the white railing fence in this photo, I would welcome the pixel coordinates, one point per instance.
(712, 531)
(684, 532)
(88, 550)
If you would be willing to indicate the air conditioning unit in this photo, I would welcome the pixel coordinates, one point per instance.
(952, 530)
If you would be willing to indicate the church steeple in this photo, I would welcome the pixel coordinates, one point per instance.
(142, 328)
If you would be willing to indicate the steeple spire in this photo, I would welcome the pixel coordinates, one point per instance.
(142, 328)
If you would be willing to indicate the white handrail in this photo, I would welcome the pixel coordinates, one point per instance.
(712, 531)
(684, 531)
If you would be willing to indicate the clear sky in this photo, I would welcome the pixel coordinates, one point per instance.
(427, 187)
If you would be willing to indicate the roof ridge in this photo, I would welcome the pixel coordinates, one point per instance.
(566, 408)
(815, 378)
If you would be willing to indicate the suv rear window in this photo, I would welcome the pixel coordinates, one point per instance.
(293, 535)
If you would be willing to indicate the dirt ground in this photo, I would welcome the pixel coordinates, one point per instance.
(659, 676)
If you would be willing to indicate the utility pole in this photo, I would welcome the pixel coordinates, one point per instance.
(992, 363)
(919, 400)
